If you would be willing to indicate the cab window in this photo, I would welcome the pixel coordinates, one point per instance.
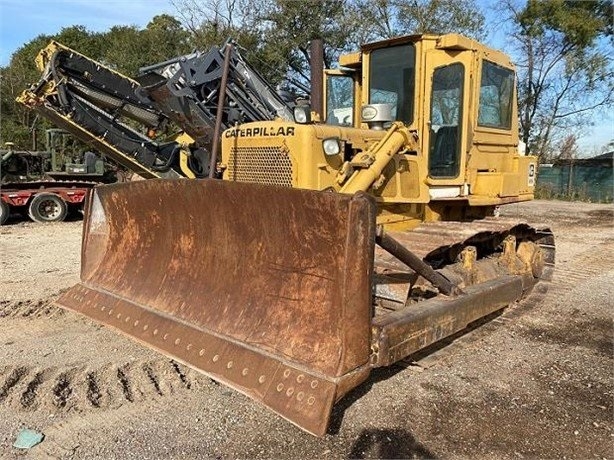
(339, 100)
(446, 116)
(391, 80)
(496, 92)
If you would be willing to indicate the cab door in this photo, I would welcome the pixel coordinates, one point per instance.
(446, 113)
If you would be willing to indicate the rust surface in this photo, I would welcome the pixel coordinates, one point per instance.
(266, 289)
(498, 282)
(406, 331)
(199, 129)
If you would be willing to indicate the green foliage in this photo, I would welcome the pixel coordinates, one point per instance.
(442, 16)
(123, 48)
(580, 22)
(82, 40)
(291, 26)
(276, 34)
(164, 39)
(565, 69)
(129, 48)
(388, 18)
(16, 120)
(125, 51)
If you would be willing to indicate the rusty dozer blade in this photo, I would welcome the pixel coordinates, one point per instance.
(265, 289)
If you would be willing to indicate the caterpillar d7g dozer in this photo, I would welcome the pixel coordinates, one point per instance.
(329, 249)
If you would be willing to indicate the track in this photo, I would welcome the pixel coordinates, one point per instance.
(28, 308)
(571, 270)
(440, 244)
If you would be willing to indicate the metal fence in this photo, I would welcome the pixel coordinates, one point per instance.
(589, 179)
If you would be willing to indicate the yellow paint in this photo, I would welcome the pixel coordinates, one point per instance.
(393, 164)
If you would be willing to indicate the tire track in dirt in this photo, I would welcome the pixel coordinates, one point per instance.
(109, 378)
(29, 308)
(591, 263)
(81, 388)
(13, 377)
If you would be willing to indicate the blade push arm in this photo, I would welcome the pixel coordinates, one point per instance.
(369, 165)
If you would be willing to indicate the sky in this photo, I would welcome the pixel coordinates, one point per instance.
(23, 20)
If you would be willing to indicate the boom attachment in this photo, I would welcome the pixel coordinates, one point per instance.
(187, 89)
(101, 107)
(93, 102)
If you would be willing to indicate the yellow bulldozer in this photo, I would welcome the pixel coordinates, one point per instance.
(343, 241)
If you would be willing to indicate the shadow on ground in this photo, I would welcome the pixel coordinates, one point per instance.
(385, 443)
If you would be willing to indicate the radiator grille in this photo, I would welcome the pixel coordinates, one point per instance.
(260, 165)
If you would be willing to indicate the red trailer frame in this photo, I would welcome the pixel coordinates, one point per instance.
(44, 201)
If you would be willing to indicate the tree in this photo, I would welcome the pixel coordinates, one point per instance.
(377, 19)
(212, 22)
(165, 38)
(565, 71)
(289, 28)
(123, 48)
(276, 34)
(18, 122)
(129, 48)
(568, 148)
(125, 52)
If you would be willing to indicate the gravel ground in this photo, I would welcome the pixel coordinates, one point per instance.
(536, 381)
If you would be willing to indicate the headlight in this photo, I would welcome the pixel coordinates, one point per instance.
(331, 146)
(302, 114)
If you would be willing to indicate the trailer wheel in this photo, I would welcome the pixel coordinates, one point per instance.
(47, 207)
(4, 212)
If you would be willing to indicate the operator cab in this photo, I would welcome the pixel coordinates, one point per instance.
(424, 79)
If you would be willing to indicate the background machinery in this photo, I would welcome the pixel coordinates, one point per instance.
(47, 185)
(329, 249)
(161, 128)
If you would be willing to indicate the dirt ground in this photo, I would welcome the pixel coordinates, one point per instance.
(537, 381)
